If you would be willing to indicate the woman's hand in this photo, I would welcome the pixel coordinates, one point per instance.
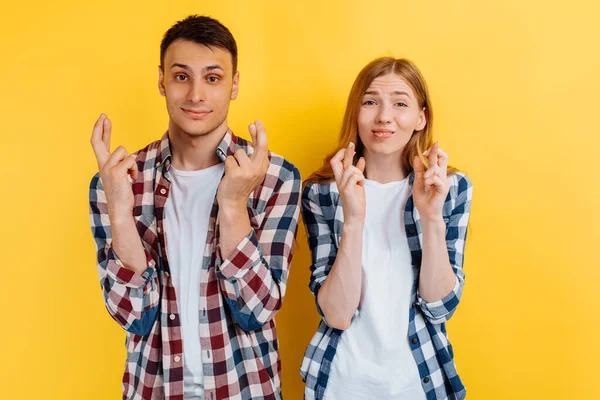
(431, 187)
(350, 181)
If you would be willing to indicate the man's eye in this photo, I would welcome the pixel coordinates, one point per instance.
(180, 77)
(213, 79)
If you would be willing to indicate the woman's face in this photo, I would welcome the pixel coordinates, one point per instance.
(388, 116)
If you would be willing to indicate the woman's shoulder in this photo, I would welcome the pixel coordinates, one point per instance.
(460, 181)
(319, 190)
(461, 189)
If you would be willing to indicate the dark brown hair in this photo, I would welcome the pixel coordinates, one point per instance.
(202, 30)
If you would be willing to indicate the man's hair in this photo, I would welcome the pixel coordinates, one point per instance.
(202, 30)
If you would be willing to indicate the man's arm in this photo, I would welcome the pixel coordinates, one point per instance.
(253, 266)
(253, 275)
(127, 272)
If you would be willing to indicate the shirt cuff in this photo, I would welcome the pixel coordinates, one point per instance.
(127, 277)
(441, 308)
(246, 255)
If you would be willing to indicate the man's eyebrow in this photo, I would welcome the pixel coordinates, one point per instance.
(183, 66)
(208, 68)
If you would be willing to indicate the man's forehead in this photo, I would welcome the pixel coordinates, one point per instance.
(196, 56)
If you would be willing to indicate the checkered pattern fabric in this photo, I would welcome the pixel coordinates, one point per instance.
(239, 295)
(323, 217)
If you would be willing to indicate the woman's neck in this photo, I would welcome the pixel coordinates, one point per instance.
(383, 168)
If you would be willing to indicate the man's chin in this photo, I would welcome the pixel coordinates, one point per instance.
(197, 128)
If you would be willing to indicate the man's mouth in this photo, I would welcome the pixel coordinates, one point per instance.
(196, 114)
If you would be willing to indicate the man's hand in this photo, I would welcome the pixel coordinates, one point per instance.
(242, 173)
(114, 170)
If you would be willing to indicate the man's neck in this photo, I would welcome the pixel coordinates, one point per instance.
(193, 153)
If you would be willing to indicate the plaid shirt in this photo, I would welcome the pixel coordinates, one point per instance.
(239, 295)
(323, 216)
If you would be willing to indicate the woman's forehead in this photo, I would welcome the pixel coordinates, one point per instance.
(390, 83)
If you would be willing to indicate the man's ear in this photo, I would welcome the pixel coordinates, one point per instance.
(236, 85)
(161, 80)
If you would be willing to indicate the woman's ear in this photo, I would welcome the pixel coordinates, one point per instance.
(422, 122)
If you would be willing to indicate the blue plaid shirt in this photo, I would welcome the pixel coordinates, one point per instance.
(323, 217)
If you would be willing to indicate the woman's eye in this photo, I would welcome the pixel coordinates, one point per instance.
(369, 103)
(401, 104)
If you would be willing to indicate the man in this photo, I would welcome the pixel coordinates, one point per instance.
(194, 234)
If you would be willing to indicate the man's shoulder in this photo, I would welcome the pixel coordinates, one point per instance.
(279, 166)
(285, 167)
(148, 153)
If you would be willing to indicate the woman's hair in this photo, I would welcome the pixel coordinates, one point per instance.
(419, 141)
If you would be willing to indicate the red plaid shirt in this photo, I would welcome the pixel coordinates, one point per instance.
(239, 295)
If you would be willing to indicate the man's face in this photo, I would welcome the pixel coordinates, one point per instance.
(198, 84)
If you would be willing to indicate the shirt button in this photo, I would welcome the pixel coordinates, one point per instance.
(172, 317)
(426, 379)
(415, 340)
(158, 229)
(414, 304)
(166, 274)
(157, 164)
(177, 359)
(163, 191)
(412, 231)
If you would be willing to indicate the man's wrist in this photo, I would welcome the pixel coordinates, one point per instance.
(118, 219)
(232, 209)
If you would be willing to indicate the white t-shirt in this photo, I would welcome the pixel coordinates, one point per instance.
(373, 358)
(187, 214)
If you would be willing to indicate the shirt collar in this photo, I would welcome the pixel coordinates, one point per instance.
(229, 144)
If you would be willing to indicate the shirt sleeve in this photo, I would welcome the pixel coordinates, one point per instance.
(130, 298)
(253, 278)
(461, 195)
(321, 239)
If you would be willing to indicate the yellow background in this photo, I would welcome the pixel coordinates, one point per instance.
(515, 91)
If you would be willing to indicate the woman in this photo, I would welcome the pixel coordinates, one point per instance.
(387, 222)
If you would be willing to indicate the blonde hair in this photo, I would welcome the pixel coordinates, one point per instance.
(419, 141)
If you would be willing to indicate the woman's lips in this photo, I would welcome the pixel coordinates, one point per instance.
(383, 133)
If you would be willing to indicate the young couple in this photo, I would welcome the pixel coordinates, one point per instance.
(194, 237)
